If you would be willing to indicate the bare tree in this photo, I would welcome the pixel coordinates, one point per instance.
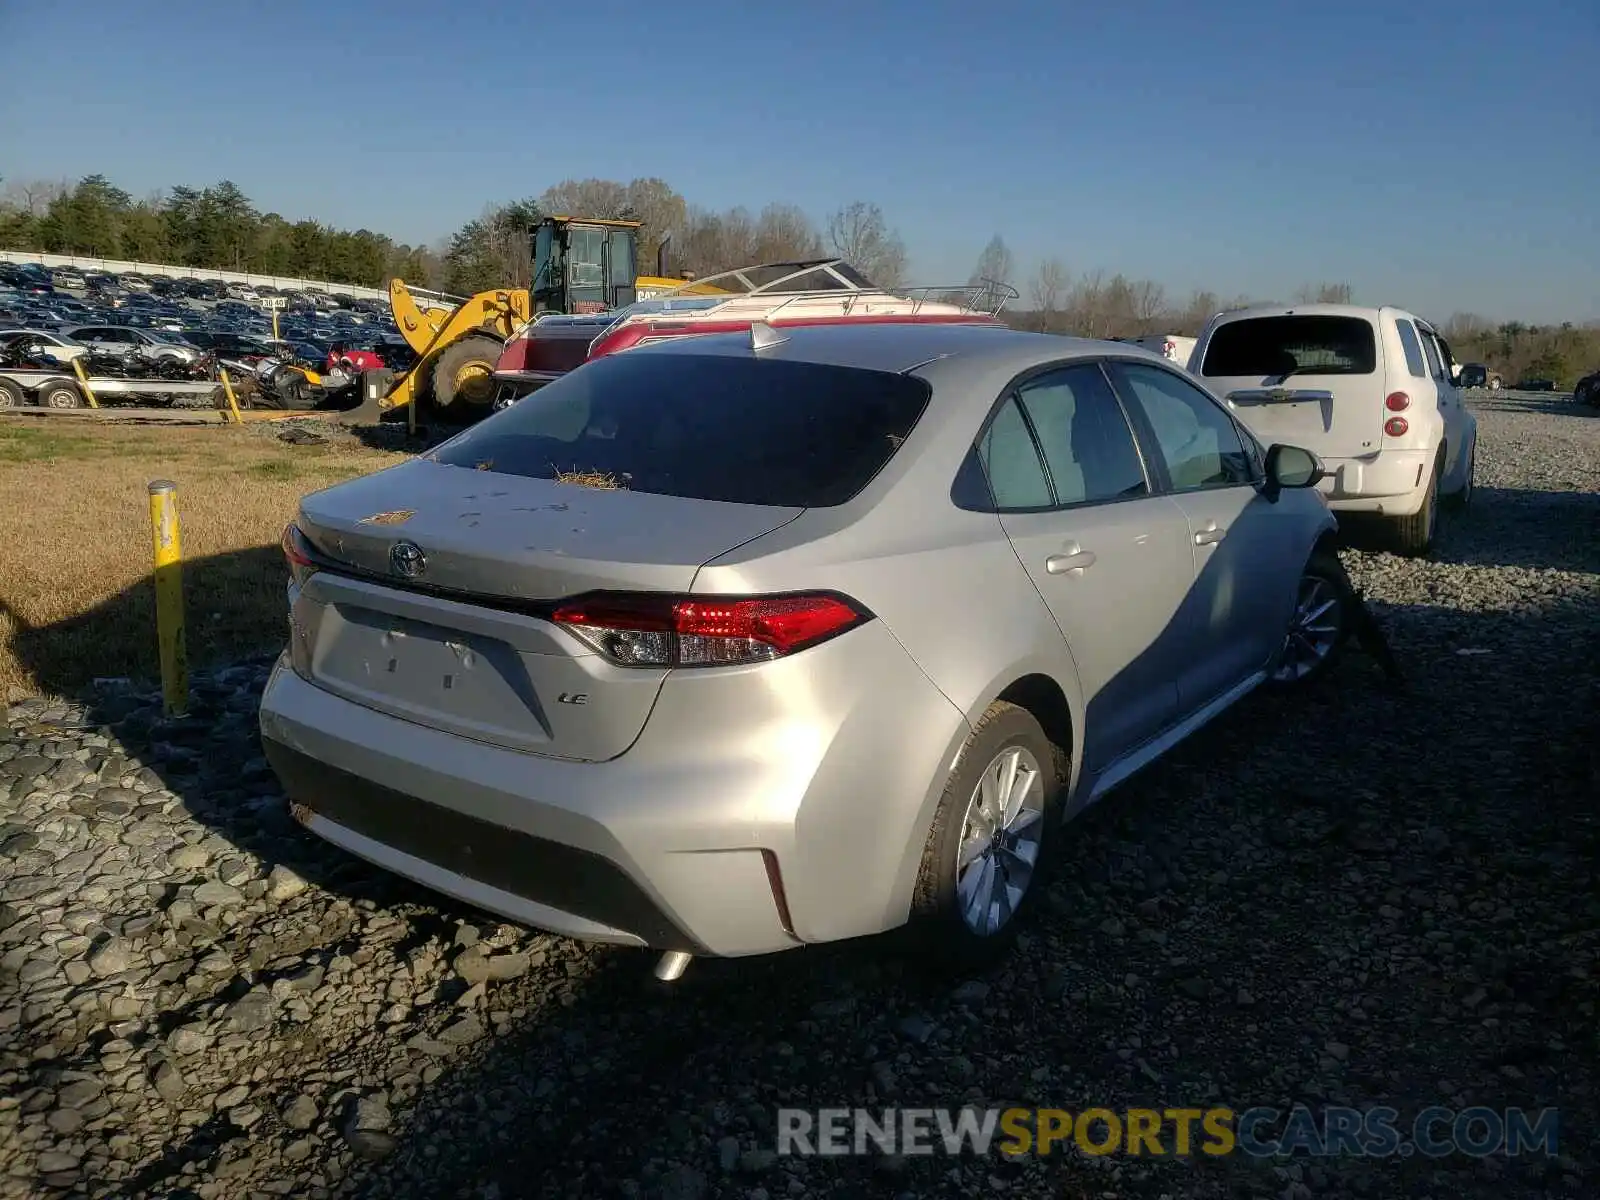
(1085, 306)
(860, 235)
(34, 196)
(1324, 293)
(1049, 281)
(995, 264)
(663, 212)
(784, 234)
(1201, 307)
(1149, 305)
(586, 198)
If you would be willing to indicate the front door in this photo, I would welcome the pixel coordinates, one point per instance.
(1110, 559)
(1449, 399)
(1245, 565)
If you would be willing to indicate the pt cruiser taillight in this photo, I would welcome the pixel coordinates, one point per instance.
(647, 629)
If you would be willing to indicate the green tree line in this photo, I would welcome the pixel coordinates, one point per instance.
(216, 227)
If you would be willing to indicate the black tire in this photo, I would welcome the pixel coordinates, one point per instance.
(938, 932)
(1414, 535)
(1323, 576)
(60, 393)
(474, 349)
(11, 396)
(1495, 383)
(1460, 500)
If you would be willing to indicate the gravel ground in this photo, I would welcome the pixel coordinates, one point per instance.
(1361, 898)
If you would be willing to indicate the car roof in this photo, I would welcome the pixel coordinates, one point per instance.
(901, 347)
(1370, 312)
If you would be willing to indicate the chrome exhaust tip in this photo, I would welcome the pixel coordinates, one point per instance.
(672, 965)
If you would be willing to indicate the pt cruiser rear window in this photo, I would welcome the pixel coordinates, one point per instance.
(1303, 345)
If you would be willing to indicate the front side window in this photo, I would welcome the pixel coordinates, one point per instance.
(1434, 366)
(1413, 349)
(1292, 345)
(1198, 440)
(1085, 439)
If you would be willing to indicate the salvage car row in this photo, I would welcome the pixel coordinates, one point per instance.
(133, 327)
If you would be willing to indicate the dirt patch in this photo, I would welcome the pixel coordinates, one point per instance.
(75, 597)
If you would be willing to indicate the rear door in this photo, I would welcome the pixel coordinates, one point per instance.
(1308, 379)
(1248, 553)
(1110, 558)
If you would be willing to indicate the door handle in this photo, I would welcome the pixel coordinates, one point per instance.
(1072, 563)
(1209, 536)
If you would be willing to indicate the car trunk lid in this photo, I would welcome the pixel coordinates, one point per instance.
(461, 643)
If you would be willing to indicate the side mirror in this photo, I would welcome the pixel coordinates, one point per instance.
(1291, 467)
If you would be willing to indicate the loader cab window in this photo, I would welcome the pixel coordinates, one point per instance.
(622, 247)
(586, 269)
(544, 263)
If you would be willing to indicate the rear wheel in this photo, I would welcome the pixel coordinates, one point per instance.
(11, 395)
(983, 861)
(464, 373)
(1414, 535)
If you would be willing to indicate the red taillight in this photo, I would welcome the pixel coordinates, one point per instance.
(297, 553)
(1397, 402)
(656, 630)
(1396, 426)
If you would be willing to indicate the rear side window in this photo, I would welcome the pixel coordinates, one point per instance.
(1011, 461)
(704, 427)
(1279, 346)
(1413, 349)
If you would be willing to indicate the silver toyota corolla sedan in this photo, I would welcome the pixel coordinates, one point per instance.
(741, 642)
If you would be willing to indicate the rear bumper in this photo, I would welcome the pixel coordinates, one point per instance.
(760, 809)
(1390, 483)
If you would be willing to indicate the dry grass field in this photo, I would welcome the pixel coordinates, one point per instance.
(75, 544)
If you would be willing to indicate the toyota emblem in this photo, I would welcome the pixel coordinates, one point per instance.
(407, 559)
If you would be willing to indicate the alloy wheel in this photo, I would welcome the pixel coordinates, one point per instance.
(1314, 631)
(1001, 836)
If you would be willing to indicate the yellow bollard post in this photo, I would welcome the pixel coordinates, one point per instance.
(168, 577)
(233, 403)
(83, 380)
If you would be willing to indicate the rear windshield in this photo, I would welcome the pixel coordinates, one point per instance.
(707, 427)
(1276, 346)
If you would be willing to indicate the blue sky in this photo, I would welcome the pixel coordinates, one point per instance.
(1443, 156)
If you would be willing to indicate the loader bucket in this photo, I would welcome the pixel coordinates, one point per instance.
(375, 386)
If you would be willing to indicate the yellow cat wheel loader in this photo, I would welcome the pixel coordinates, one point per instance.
(580, 265)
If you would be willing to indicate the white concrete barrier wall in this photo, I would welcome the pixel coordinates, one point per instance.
(118, 267)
